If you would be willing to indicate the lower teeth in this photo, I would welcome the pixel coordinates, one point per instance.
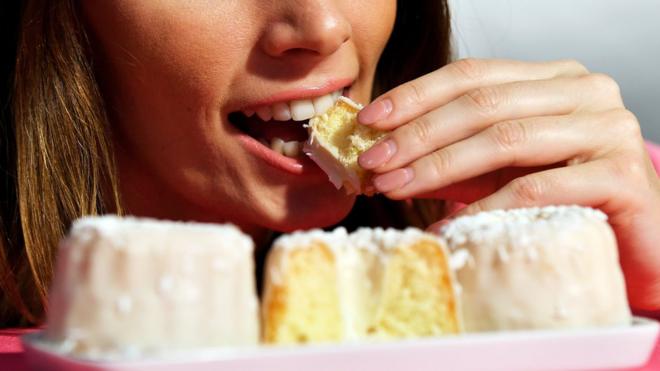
(289, 149)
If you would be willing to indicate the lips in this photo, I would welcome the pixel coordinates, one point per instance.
(274, 129)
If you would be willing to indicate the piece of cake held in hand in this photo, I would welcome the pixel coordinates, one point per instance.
(537, 268)
(336, 139)
(371, 284)
(128, 287)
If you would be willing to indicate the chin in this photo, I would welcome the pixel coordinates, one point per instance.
(315, 209)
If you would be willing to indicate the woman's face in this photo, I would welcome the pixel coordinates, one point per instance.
(179, 78)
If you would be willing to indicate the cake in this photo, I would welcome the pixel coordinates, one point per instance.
(371, 284)
(132, 286)
(336, 139)
(537, 268)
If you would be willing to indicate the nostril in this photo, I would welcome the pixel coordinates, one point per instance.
(298, 34)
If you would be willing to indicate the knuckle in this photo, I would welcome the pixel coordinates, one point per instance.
(574, 66)
(485, 99)
(469, 68)
(440, 162)
(527, 190)
(414, 94)
(509, 134)
(627, 170)
(419, 130)
(626, 123)
(603, 83)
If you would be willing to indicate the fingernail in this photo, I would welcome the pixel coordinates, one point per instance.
(377, 155)
(375, 111)
(393, 180)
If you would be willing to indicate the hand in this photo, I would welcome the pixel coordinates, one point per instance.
(502, 134)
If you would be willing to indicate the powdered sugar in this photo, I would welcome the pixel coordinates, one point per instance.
(304, 239)
(372, 239)
(388, 238)
(114, 229)
(519, 225)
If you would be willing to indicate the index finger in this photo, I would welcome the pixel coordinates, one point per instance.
(440, 87)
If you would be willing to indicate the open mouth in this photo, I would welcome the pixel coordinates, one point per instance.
(281, 126)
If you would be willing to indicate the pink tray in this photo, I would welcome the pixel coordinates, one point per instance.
(594, 348)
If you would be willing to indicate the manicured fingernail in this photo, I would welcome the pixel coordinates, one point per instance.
(375, 111)
(377, 155)
(393, 180)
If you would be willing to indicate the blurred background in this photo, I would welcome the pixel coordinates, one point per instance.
(616, 37)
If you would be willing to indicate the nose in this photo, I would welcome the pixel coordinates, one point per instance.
(306, 27)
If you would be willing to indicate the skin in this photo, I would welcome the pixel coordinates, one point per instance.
(490, 133)
(171, 75)
(501, 134)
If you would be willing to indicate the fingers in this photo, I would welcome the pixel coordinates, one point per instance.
(528, 142)
(550, 187)
(437, 88)
(587, 184)
(473, 189)
(482, 107)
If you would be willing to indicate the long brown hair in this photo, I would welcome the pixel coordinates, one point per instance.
(56, 158)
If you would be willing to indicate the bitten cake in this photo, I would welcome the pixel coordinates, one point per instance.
(551, 267)
(336, 139)
(374, 283)
(126, 285)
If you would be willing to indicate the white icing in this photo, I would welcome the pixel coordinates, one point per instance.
(166, 284)
(127, 285)
(551, 267)
(317, 149)
(304, 239)
(518, 224)
(374, 239)
(351, 102)
(389, 238)
(459, 259)
(124, 304)
(113, 228)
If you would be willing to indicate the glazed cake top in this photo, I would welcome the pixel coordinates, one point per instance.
(517, 223)
(117, 229)
(364, 238)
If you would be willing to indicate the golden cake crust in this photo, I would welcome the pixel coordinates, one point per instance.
(372, 283)
(283, 322)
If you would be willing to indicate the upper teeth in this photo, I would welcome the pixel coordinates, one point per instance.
(298, 110)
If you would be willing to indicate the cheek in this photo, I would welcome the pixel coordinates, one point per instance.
(158, 40)
(165, 69)
(372, 22)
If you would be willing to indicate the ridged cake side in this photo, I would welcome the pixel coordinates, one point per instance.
(414, 289)
(552, 267)
(127, 285)
(300, 302)
(373, 283)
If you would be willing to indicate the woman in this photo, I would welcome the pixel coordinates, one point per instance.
(147, 108)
